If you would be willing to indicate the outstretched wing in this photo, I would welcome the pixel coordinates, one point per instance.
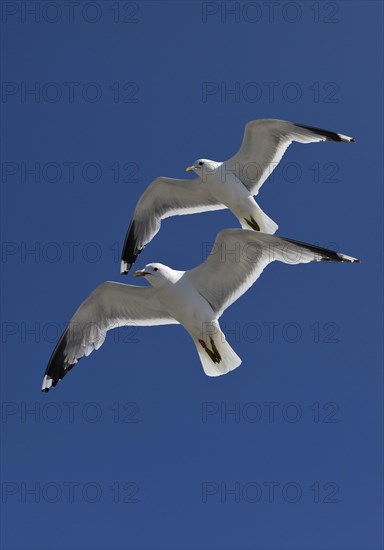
(109, 306)
(238, 258)
(163, 198)
(264, 144)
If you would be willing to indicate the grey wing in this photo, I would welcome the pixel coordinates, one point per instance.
(238, 258)
(163, 198)
(109, 306)
(264, 144)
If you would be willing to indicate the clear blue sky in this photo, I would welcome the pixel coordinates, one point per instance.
(136, 448)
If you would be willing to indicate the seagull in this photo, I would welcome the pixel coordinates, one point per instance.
(194, 299)
(219, 185)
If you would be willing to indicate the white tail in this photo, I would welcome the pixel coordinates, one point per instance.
(226, 359)
(265, 223)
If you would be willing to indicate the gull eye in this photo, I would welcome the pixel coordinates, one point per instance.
(155, 269)
(201, 163)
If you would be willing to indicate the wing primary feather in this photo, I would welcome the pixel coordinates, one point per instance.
(324, 253)
(329, 136)
(57, 367)
(130, 249)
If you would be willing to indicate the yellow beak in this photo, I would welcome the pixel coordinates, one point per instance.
(189, 168)
(140, 273)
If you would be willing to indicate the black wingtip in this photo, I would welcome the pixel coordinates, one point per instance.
(350, 260)
(57, 367)
(130, 249)
(329, 136)
(51, 384)
(325, 254)
(125, 267)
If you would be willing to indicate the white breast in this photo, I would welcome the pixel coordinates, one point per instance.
(185, 304)
(226, 187)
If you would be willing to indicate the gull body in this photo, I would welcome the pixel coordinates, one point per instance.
(226, 188)
(178, 297)
(195, 299)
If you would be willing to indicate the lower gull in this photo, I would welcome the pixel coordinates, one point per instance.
(194, 299)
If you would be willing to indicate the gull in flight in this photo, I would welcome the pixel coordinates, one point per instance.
(194, 299)
(229, 184)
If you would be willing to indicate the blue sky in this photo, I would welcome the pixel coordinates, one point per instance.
(137, 448)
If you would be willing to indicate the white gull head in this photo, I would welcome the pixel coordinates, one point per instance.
(203, 167)
(158, 274)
